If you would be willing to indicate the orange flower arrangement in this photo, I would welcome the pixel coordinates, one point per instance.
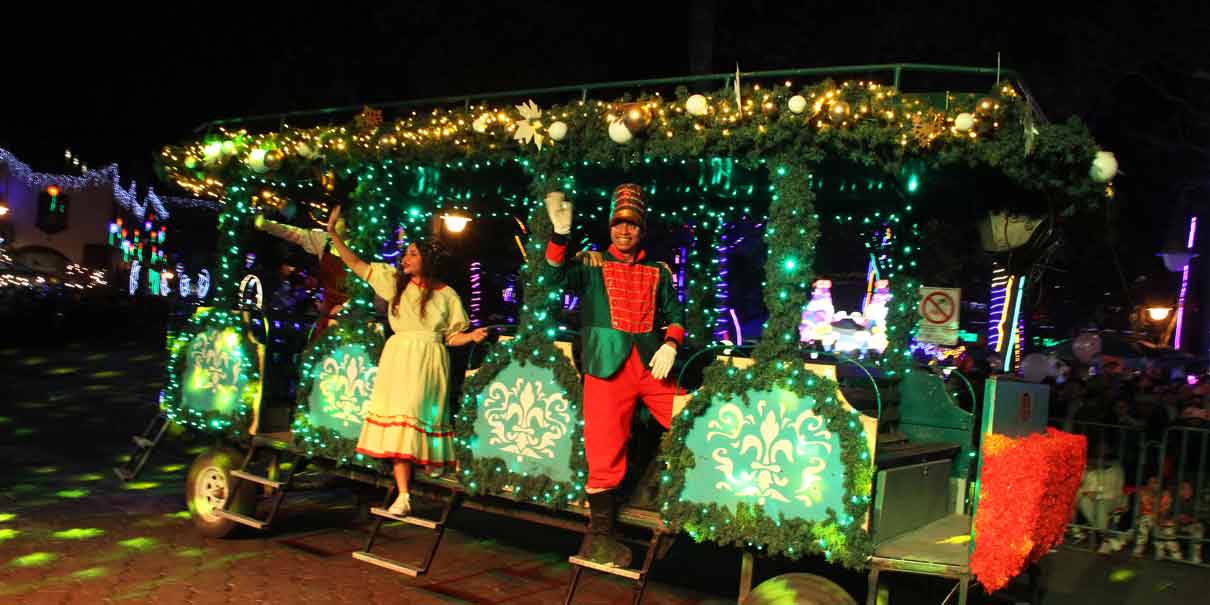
(1026, 493)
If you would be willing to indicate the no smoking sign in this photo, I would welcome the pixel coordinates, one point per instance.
(938, 310)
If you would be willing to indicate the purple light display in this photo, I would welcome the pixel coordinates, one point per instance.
(1180, 302)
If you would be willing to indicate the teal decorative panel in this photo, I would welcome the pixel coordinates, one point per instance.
(525, 419)
(773, 451)
(340, 394)
(213, 379)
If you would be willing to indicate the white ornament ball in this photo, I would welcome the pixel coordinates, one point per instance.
(619, 132)
(480, 124)
(256, 161)
(697, 105)
(557, 131)
(798, 103)
(1104, 167)
(964, 121)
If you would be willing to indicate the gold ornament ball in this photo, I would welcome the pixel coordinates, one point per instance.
(557, 131)
(987, 106)
(798, 103)
(839, 111)
(273, 159)
(636, 118)
(191, 162)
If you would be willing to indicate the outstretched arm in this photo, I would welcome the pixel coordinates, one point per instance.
(311, 240)
(463, 338)
(359, 267)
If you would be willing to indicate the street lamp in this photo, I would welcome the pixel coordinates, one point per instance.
(455, 223)
(1158, 313)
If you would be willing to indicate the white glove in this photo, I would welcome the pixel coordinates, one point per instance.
(559, 208)
(661, 362)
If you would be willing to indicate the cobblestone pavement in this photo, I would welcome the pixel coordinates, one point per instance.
(71, 533)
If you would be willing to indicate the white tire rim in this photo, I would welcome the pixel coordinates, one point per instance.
(210, 492)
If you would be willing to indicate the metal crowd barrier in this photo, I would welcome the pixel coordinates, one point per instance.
(1129, 476)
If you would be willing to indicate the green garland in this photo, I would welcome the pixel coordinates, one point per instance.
(791, 235)
(1053, 163)
(233, 425)
(534, 345)
(840, 538)
(318, 440)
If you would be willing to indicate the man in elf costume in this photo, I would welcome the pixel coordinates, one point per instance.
(625, 299)
(332, 271)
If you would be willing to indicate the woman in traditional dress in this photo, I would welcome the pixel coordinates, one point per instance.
(407, 420)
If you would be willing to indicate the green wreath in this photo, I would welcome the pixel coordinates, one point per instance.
(228, 324)
(534, 345)
(319, 440)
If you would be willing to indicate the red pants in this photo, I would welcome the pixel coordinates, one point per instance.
(608, 409)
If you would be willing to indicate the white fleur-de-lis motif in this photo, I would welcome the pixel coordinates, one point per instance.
(346, 387)
(772, 450)
(524, 420)
(213, 365)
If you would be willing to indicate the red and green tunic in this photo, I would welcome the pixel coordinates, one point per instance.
(622, 306)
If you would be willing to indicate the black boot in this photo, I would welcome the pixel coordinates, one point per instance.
(600, 545)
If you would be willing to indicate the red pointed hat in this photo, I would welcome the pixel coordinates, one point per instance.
(629, 206)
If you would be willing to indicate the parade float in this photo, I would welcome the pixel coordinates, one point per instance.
(777, 449)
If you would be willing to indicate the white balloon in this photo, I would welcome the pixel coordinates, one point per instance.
(1035, 367)
(557, 131)
(619, 132)
(1086, 346)
(1104, 167)
(798, 103)
(964, 121)
(697, 105)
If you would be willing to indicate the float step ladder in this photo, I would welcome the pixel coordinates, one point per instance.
(144, 443)
(277, 487)
(656, 547)
(437, 527)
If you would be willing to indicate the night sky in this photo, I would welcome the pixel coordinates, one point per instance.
(116, 85)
